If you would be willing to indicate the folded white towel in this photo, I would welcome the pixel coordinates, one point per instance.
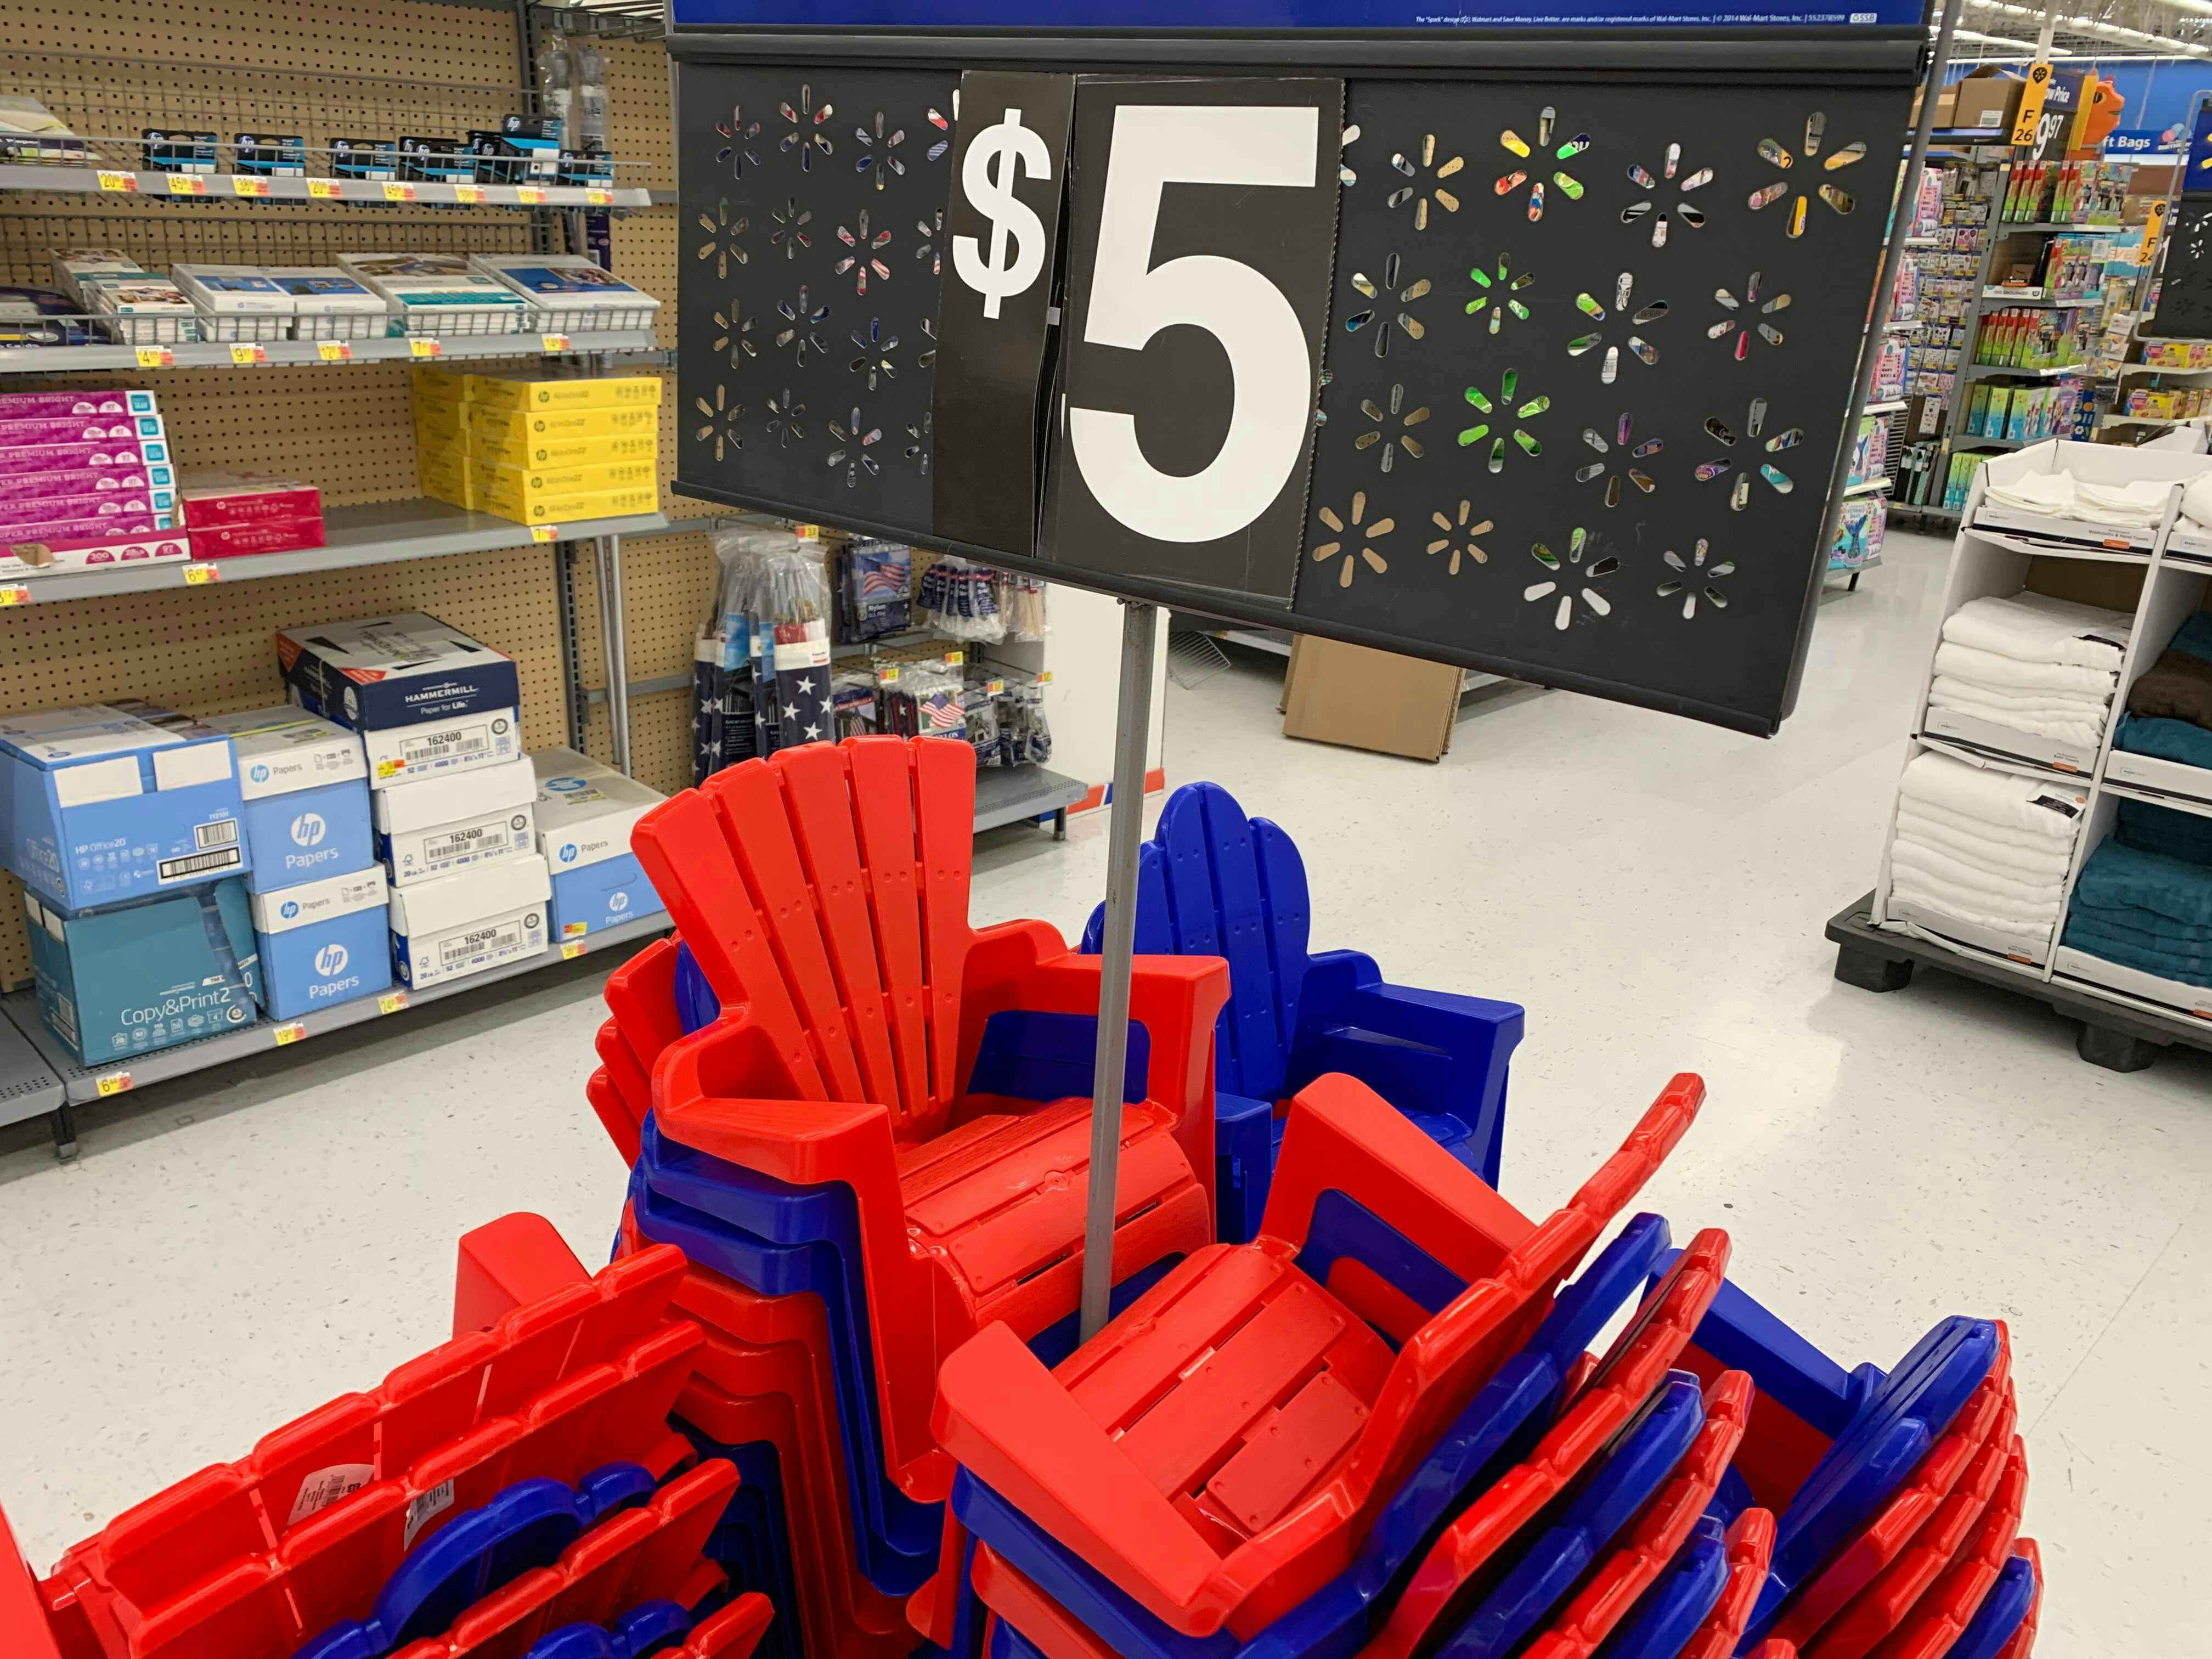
(1985, 831)
(1985, 852)
(2076, 732)
(1998, 798)
(2042, 704)
(2137, 501)
(2032, 936)
(2197, 500)
(2036, 628)
(2000, 896)
(1965, 662)
(2052, 493)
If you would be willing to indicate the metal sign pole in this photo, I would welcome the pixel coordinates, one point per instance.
(1132, 723)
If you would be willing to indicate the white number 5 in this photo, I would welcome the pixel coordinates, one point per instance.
(1271, 374)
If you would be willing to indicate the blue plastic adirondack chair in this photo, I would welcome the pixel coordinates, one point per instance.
(1211, 882)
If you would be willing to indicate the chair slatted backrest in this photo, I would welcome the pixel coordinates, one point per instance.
(1213, 883)
(826, 889)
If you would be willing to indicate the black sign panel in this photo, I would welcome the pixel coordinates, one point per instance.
(1002, 230)
(1589, 363)
(1584, 346)
(1200, 218)
(811, 239)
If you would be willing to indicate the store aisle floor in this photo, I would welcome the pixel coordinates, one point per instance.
(230, 1252)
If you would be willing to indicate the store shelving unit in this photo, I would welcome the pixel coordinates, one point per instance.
(36, 1052)
(381, 533)
(326, 354)
(1009, 794)
(189, 187)
(2126, 1015)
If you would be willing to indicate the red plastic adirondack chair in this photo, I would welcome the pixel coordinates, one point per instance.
(1220, 1450)
(823, 893)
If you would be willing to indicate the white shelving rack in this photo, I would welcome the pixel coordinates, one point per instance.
(2126, 1013)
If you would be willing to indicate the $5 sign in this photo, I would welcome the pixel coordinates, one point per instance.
(993, 163)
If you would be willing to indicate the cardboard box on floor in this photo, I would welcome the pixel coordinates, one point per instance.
(1360, 698)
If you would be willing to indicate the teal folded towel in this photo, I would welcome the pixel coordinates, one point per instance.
(2165, 930)
(2146, 962)
(2165, 740)
(2118, 878)
(2165, 829)
(2090, 931)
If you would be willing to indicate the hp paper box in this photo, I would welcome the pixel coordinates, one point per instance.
(305, 786)
(464, 924)
(127, 980)
(323, 942)
(117, 801)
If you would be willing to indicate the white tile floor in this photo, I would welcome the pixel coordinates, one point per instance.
(230, 1252)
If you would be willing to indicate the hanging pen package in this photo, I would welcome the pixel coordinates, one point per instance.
(761, 660)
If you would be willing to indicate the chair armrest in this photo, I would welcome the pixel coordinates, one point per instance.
(1003, 1415)
(517, 1259)
(1176, 999)
(25, 1631)
(1244, 1130)
(1344, 1137)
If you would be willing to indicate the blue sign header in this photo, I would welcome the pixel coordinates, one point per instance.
(1183, 15)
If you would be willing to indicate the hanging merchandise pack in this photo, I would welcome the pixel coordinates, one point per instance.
(873, 593)
(1021, 605)
(957, 600)
(760, 664)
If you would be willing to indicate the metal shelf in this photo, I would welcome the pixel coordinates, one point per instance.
(2036, 297)
(2005, 229)
(1983, 371)
(1887, 406)
(1007, 795)
(82, 1084)
(1961, 440)
(2149, 420)
(267, 354)
(383, 532)
(158, 186)
(28, 1086)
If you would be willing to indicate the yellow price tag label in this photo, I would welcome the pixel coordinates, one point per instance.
(241, 185)
(574, 929)
(807, 532)
(529, 196)
(187, 184)
(599, 198)
(2153, 227)
(200, 575)
(399, 193)
(954, 659)
(387, 768)
(244, 355)
(334, 351)
(1044, 677)
(468, 194)
(325, 190)
(994, 687)
(887, 677)
(569, 952)
(124, 181)
(114, 1083)
(155, 358)
(425, 348)
(292, 1033)
(545, 532)
(14, 596)
(391, 1002)
(557, 342)
(2032, 96)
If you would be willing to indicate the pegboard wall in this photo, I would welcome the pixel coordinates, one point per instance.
(112, 67)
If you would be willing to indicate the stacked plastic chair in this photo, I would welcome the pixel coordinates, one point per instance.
(1213, 883)
(882, 1116)
(516, 1493)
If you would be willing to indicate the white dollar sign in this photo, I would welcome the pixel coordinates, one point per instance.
(995, 161)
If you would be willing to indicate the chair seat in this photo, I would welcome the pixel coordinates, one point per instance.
(1238, 1385)
(997, 1202)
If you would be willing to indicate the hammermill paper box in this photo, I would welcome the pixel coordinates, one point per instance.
(426, 698)
(586, 812)
(443, 825)
(465, 924)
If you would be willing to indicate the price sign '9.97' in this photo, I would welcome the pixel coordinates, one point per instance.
(1201, 226)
